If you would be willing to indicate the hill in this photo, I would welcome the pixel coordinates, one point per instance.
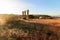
(34, 29)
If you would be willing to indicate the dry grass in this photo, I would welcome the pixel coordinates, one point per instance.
(55, 22)
(50, 24)
(47, 24)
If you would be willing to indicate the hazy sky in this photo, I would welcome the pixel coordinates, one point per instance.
(50, 7)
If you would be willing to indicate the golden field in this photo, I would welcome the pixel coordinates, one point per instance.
(48, 24)
(31, 29)
(53, 22)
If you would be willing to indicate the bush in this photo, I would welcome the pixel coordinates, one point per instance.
(31, 16)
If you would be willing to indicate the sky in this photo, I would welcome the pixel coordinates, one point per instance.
(47, 7)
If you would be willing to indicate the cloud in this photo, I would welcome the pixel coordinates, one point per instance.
(13, 6)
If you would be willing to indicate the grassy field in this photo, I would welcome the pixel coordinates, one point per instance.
(40, 29)
(47, 24)
(54, 22)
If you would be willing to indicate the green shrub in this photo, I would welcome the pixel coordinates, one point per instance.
(31, 16)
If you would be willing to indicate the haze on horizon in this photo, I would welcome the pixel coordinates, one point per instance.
(47, 7)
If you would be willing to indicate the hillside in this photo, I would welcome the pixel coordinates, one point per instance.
(34, 29)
